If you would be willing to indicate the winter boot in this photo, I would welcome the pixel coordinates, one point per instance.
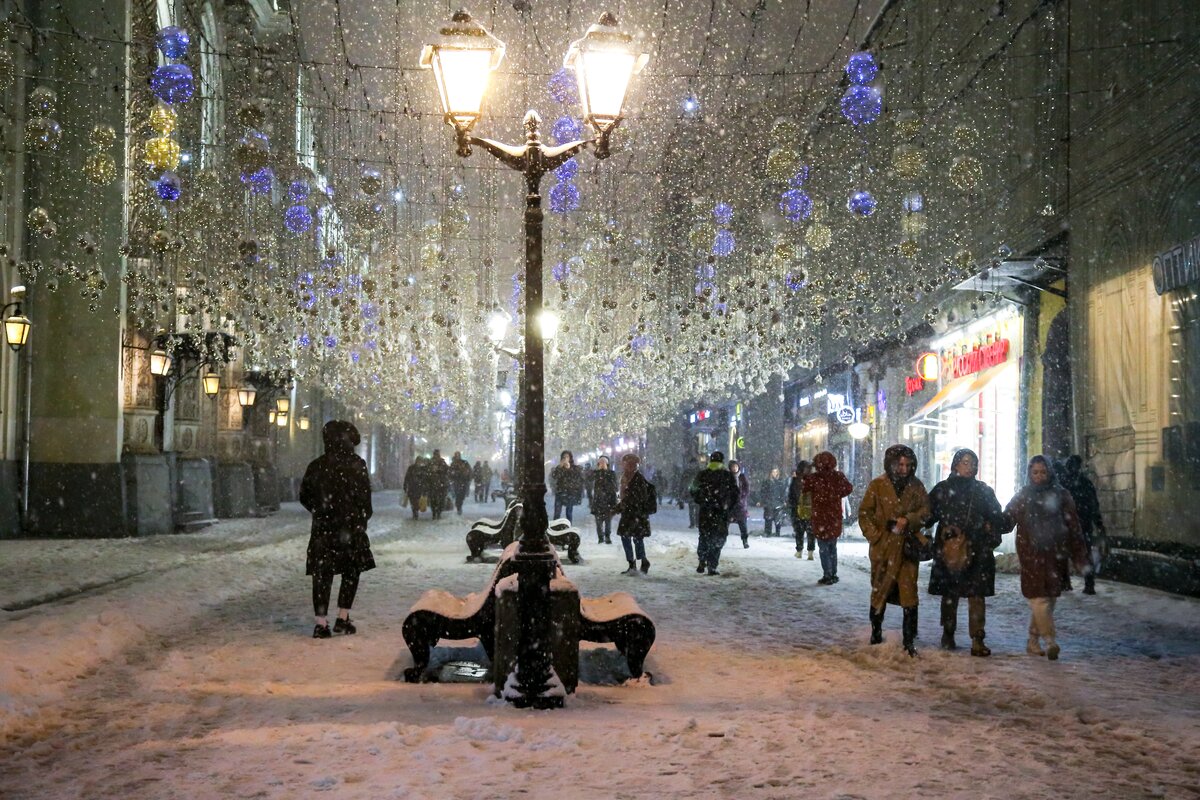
(745, 542)
(810, 555)
(1034, 647)
(713, 571)
(978, 648)
(1052, 649)
(344, 626)
(910, 630)
(645, 565)
(948, 642)
(632, 569)
(876, 627)
(1089, 583)
(607, 540)
(700, 569)
(321, 632)
(799, 554)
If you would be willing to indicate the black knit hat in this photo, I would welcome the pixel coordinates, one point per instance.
(717, 456)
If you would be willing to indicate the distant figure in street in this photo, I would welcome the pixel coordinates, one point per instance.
(336, 489)
(1049, 539)
(825, 486)
(566, 481)
(477, 478)
(416, 485)
(638, 501)
(1087, 506)
(893, 509)
(969, 523)
(604, 499)
(800, 506)
(460, 480)
(438, 484)
(741, 510)
(687, 480)
(715, 493)
(772, 495)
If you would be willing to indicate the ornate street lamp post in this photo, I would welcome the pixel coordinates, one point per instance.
(604, 60)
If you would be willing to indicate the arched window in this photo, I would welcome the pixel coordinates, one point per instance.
(211, 87)
(305, 135)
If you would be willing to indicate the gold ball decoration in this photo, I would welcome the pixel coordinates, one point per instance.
(964, 137)
(162, 153)
(782, 164)
(455, 220)
(38, 217)
(42, 101)
(701, 236)
(163, 120)
(963, 260)
(908, 161)
(913, 225)
(42, 134)
(251, 115)
(785, 133)
(966, 172)
(818, 236)
(160, 241)
(785, 250)
(371, 182)
(250, 154)
(909, 248)
(429, 254)
(908, 126)
(100, 169)
(103, 136)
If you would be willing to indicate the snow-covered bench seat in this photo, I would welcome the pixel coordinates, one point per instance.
(502, 533)
(615, 618)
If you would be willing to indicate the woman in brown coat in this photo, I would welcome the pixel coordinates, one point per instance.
(1049, 538)
(894, 507)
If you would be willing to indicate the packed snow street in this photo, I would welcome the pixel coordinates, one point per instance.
(182, 667)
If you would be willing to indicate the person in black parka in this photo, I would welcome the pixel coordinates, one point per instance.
(715, 492)
(964, 505)
(604, 499)
(639, 500)
(337, 490)
(439, 483)
(460, 480)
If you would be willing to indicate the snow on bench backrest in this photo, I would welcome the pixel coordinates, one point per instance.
(610, 607)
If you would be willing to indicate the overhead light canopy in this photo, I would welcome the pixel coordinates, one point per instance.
(604, 61)
(160, 362)
(462, 59)
(247, 395)
(212, 382)
(16, 330)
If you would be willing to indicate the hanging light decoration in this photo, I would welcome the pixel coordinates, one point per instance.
(173, 41)
(861, 203)
(172, 83)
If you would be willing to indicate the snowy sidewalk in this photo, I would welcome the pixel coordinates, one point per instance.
(181, 667)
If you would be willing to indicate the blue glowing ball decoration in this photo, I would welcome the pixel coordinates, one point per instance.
(563, 86)
(800, 177)
(723, 213)
(331, 341)
(914, 203)
(173, 41)
(560, 271)
(304, 340)
(172, 83)
(298, 219)
(795, 280)
(259, 182)
(723, 243)
(861, 203)
(298, 191)
(564, 197)
(706, 271)
(795, 205)
(567, 171)
(566, 129)
(861, 69)
(862, 105)
(168, 187)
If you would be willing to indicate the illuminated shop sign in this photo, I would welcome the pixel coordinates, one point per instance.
(1177, 267)
(977, 359)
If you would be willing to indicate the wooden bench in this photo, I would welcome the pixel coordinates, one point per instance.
(614, 618)
(503, 532)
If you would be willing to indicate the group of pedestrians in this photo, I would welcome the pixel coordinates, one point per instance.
(430, 483)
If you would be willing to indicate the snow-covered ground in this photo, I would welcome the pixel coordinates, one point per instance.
(181, 667)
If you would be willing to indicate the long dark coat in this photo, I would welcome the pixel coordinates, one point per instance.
(567, 483)
(604, 492)
(438, 477)
(741, 509)
(460, 474)
(716, 493)
(337, 490)
(970, 505)
(634, 508)
(1048, 538)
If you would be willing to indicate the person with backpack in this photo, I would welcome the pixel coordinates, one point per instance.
(800, 505)
(715, 492)
(336, 489)
(969, 524)
(639, 500)
(826, 486)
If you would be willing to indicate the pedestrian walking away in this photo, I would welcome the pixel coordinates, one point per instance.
(800, 507)
(1049, 540)
(970, 524)
(566, 481)
(741, 510)
(1091, 523)
(439, 483)
(460, 480)
(604, 499)
(715, 493)
(638, 501)
(825, 487)
(336, 489)
(772, 496)
(891, 514)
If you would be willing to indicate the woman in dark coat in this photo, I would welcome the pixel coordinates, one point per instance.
(772, 496)
(1048, 540)
(337, 490)
(741, 512)
(415, 485)
(566, 481)
(966, 507)
(604, 499)
(638, 502)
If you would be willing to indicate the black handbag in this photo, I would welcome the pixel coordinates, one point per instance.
(915, 549)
